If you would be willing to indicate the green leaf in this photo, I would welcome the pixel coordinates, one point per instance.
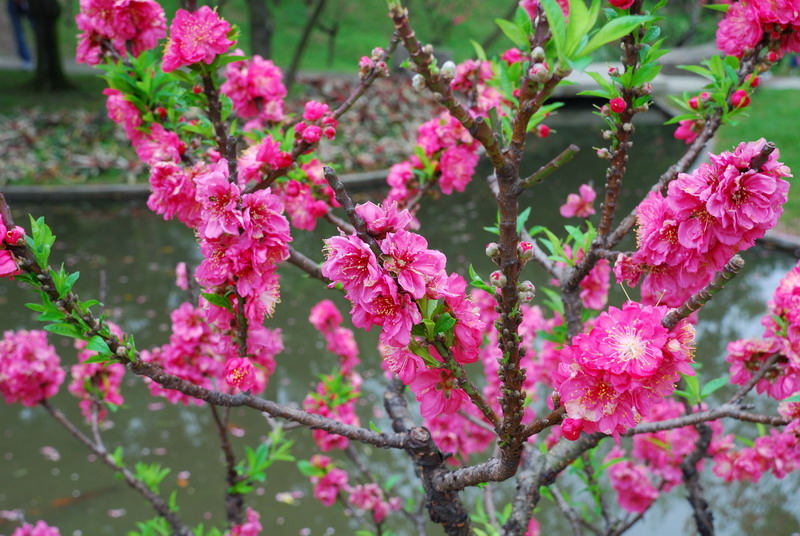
(718, 7)
(513, 32)
(558, 26)
(430, 327)
(375, 428)
(793, 398)
(219, 301)
(97, 344)
(480, 53)
(67, 330)
(713, 385)
(614, 30)
(522, 218)
(444, 323)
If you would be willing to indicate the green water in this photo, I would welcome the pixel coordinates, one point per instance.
(126, 256)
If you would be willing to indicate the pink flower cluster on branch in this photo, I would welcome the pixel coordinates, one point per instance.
(781, 336)
(330, 484)
(610, 377)
(30, 370)
(40, 529)
(195, 37)
(706, 218)
(117, 27)
(748, 21)
(256, 88)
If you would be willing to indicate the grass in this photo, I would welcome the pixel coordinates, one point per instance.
(775, 115)
(14, 95)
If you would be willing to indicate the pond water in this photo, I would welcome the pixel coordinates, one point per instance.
(126, 256)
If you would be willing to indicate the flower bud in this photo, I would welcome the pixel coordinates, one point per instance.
(539, 72)
(527, 291)
(571, 428)
(740, 98)
(13, 236)
(613, 71)
(537, 55)
(498, 279)
(448, 71)
(694, 103)
(492, 249)
(428, 49)
(603, 153)
(525, 251)
(542, 130)
(418, 82)
(773, 56)
(617, 105)
(376, 54)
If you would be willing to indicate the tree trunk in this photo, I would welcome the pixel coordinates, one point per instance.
(49, 71)
(261, 28)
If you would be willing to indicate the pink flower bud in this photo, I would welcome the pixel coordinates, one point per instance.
(571, 428)
(613, 71)
(312, 134)
(498, 279)
(492, 249)
(754, 80)
(525, 251)
(377, 53)
(705, 95)
(740, 98)
(602, 153)
(527, 291)
(694, 103)
(617, 105)
(13, 236)
(539, 72)
(542, 130)
(773, 56)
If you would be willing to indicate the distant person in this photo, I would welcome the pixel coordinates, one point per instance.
(17, 9)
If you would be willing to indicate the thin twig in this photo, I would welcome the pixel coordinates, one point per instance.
(155, 500)
(696, 301)
(234, 502)
(551, 167)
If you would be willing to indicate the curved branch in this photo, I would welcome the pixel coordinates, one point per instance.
(155, 500)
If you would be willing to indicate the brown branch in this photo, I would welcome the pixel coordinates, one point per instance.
(423, 60)
(551, 167)
(704, 518)
(215, 115)
(307, 265)
(234, 502)
(444, 506)
(568, 511)
(555, 417)
(696, 301)
(156, 501)
(350, 209)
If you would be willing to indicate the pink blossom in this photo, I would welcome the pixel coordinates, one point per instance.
(688, 130)
(239, 373)
(635, 491)
(401, 361)
(30, 369)
(122, 111)
(325, 317)
(353, 264)
(327, 488)
(259, 159)
(173, 192)
(40, 529)
(315, 111)
(394, 311)
(437, 393)
(531, 6)
(408, 258)
(457, 165)
(127, 25)
(740, 30)
(194, 37)
(251, 526)
(96, 385)
(579, 205)
(256, 88)
(219, 199)
(513, 55)
(386, 218)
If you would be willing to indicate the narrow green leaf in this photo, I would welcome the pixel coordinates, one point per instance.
(614, 30)
(513, 32)
(67, 330)
(444, 323)
(219, 301)
(713, 385)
